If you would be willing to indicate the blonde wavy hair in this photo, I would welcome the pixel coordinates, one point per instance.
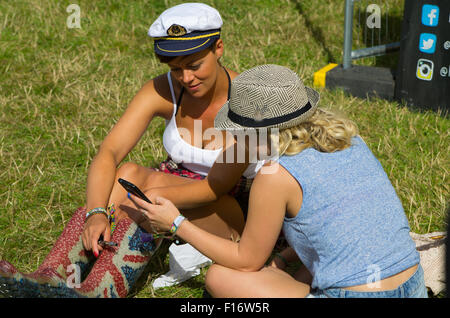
(325, 131)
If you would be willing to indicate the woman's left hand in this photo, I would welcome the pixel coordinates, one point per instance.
(161, 214)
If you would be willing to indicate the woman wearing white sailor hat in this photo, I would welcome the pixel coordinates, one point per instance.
(186, 38)
(185, 29)
(188, 97)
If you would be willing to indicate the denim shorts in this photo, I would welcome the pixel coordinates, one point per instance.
(414, 287)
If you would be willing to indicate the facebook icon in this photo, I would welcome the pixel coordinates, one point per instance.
(430, 15)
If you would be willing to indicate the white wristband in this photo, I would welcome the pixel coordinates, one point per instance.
(176, 223)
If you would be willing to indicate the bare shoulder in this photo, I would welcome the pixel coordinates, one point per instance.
(271, 175)
(274, 178)
(232, 73)
(155, 96)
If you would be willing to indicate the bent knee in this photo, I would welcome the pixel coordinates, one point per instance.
(214, 279)
(128, 171)
(141, 176)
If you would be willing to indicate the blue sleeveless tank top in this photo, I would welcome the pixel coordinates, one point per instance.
(351, 228)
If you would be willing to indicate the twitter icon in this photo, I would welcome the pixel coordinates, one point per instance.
(427, 43)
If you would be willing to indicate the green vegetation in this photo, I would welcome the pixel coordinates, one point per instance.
(62, 89)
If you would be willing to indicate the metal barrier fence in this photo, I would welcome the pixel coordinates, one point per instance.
(418, 29)
(373, 29)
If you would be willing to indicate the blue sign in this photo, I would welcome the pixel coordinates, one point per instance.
(427, 43)
(430, 15)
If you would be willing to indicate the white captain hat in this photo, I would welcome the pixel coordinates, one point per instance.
(185, 29)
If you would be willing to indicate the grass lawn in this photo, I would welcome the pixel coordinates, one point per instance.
(62, 89)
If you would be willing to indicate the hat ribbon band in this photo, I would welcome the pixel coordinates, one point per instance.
(190, 49)
(250, 122)
(187, 38)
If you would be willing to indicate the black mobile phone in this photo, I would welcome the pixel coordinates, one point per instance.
(133, 189)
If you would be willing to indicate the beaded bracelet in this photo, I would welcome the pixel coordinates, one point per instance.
(112, 217)
(176, 223)
(96, 211)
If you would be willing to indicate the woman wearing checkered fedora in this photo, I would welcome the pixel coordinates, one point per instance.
(324, 189)
(187, 39)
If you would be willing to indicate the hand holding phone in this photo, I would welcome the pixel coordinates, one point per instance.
(131, 188)
(107, 243)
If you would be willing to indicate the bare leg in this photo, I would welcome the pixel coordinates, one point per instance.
(269, 282)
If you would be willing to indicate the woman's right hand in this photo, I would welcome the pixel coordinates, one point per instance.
(94, 227)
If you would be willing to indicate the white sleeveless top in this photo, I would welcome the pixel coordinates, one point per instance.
(193, 158)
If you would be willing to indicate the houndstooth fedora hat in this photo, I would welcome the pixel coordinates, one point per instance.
(267, 96)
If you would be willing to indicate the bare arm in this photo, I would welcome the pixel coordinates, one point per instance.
(267, 208)
(118, 143)
(221, 179)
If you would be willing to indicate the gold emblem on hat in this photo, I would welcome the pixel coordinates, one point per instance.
(176, 30)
